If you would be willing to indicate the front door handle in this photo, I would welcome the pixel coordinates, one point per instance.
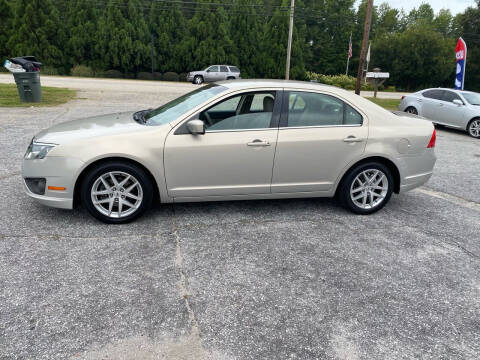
(352, 139)
(258, 142)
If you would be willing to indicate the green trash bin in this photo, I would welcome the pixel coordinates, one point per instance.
(28, 85)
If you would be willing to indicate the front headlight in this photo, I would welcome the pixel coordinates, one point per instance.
(38, 150)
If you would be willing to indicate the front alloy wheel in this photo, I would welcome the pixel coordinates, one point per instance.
(474, 128)
(366, 188)
(198, 80)
(117, 192)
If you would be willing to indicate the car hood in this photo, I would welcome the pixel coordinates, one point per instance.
(96, 126)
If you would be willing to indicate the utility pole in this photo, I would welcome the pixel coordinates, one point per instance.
(366, 33)
(289, 46)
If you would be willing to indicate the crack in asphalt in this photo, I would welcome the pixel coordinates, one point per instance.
(183, 283)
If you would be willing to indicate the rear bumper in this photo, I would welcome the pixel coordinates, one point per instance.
(416, 170)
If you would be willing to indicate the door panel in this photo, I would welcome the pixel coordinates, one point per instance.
(310, 159)
(219, 163)
(319, 135)
(448, 112)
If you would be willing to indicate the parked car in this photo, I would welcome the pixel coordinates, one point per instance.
(455, 108)
(232, 140)
(214, 73)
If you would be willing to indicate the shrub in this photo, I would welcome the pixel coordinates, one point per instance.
(48, 70)
(182, 77)
(342, 81)
(82, 70)
(170, 76)
(113, 74)
(157, 76)
(142, 75)
(129, 75)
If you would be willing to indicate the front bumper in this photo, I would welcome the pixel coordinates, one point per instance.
(59, 172)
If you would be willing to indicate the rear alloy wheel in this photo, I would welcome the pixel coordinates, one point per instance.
(198, 80)
(366, 188)
(411, 110)
(117, 192)
(474, 128)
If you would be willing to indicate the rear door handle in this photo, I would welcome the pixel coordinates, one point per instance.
(352, 139)
(258, 142)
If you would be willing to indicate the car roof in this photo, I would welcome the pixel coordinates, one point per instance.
(248, 83)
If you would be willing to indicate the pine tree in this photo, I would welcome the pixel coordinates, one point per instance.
(5, 29)
(123, 37)
(38, 32)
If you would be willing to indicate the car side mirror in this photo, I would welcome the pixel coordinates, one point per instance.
(458, 102)
(196, 127)
(208, 70)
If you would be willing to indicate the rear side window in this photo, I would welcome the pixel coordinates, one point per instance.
(433, 94)
(313, 109)
(234, 69)
(223, 69)
(450, 96)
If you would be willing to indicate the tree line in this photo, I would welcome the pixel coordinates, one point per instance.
(417, 47)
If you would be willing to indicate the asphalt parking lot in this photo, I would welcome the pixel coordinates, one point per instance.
(283, 279)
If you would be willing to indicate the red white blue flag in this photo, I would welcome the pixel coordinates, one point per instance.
(461, 58)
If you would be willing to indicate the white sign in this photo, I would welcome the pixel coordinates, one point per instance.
(378, 75)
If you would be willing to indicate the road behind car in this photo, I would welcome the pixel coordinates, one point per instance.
(299, 279)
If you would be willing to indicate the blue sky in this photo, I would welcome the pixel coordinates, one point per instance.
(455, 6)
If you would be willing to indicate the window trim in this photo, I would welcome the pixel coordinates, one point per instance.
(274, 122)
(284, 117)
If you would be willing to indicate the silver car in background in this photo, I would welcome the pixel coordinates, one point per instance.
(214, 73)
(233, 140)
(455, 108)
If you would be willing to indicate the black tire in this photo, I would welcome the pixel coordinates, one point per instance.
(346, 185)
(117, 166)
(411, 110)
(471, 132)
(198, 79)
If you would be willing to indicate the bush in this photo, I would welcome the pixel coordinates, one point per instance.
(182, 77)
(142, 75)
(342, 81)
(48, 70)
(157, 76)
(129, 75)
(170, 76)
(82, 70)
(113, 74)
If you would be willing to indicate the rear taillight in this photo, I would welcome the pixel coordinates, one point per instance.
(431, 143)
(403, 97)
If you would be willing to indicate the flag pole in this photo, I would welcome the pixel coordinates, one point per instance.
(348, 53)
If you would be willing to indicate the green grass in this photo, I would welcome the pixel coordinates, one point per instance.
(389, 104)
(51, 96)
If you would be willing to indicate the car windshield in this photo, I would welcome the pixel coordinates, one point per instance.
(472, 98)
(176, 108)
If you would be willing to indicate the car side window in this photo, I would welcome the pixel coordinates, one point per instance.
(213, 68)
(450, 96)
(313, 109)
(240, 112)
(433, 94)
(223, 69)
